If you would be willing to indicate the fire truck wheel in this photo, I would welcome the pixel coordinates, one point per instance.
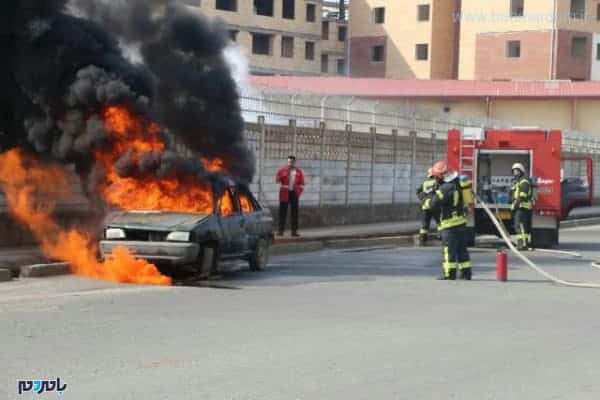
(260, 257)
(544, 238)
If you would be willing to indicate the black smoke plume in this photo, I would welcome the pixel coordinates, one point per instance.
(64, 63)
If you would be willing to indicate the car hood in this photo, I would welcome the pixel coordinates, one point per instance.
(154, 220)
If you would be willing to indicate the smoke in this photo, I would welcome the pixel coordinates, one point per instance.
(64, 64)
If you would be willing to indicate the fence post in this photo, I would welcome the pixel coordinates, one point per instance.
(413, 162)
(395, 161)
(321, 161)
(373, 131)
(348, 161)
(294, 136)
(261, 157)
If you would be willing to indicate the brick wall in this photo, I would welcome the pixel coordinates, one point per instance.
(491, 61)
(569, 67)
(360, 57)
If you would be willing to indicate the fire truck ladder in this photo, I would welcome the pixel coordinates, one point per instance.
(467, 157)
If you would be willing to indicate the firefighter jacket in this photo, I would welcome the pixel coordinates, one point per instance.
(283, 178)
(425, 191)
(522, 194)
(448, 200)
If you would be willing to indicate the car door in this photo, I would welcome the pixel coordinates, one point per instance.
(233, 223)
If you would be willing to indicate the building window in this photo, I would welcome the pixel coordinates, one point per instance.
(226, 5)
(289, 9)
(379, 15)
(261, 44)
(342, 33)
(377, 54)
(598, 12)
(309, 50)
(311, 12)
(422, 52)
(598, 52)
(423, 11)
(287, 47)
(324, 63)
(263, 7)
(513, 49)
(578, 47)
(341, 66)
(578, 9)
(325, 30)
(233, 35)
(517, 8)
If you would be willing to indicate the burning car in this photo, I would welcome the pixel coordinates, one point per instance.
(237, 227)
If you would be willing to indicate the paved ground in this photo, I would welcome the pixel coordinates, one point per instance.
(344, 324)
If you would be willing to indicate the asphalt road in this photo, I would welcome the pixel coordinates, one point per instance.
(344, 324)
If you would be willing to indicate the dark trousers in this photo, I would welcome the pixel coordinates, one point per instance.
(426, 217)
(283, 207)
(522, 220)
(455, 251)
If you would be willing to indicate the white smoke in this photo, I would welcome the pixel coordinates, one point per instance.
(238, 64)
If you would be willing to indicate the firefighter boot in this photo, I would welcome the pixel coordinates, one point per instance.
(422, 239)
(465, 274)
(451, 276)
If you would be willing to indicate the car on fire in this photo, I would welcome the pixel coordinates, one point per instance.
(238, 228)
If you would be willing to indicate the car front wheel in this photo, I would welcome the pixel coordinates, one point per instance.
(260, 257)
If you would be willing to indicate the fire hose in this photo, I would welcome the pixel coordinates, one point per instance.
(506, 237)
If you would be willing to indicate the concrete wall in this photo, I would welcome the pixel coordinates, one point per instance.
(595, 74)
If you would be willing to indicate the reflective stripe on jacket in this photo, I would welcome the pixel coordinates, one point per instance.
(522, 192)
(424, 191)
(448, 199)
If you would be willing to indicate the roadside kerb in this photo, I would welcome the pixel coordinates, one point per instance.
(580, 222)
(44, 270)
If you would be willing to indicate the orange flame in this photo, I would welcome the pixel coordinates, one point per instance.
(32, 191)
(213, 165)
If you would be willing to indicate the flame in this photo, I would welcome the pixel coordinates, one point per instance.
(32, 191)
(245, 203)
(213, 165)
(226, 204)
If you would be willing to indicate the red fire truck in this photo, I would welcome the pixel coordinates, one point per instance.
(486, 156)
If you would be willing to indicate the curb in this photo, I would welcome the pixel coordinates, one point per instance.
(316, 245)
(5, 275)
(43, 270)
(580, 222)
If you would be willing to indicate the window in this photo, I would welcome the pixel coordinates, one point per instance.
(578, 47)
(377, 54)
(598, 52)
(513, 49)
(226, 5)
(598, 12)
(311, 12)
(342, 33)
(246, 204)
(324, 63)
(423, 11)
(422, 52)
(578, 9)
(379, 15)
(287, 46)
(233, 35)
(263, 7)
(325, 30)
(309, 50)
(289, 9)
(517, 8)
(226, 204)
(341, 66)
(261, 44)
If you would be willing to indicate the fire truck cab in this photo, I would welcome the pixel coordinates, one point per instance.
(487, 156)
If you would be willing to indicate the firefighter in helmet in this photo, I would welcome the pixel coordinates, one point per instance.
(424, 193)
(448, 200)
(522, 206)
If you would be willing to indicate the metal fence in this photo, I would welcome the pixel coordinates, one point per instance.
(356, 151)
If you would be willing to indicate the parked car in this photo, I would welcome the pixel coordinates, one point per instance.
(575, 192)
(237, 228)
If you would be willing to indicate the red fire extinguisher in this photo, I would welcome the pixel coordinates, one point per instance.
(501, 265)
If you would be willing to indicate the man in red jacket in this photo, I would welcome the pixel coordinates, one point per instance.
(291, 180)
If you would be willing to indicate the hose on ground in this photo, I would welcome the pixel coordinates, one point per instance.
(506, 237)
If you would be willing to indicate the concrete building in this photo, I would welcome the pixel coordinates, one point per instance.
(280, 36)
(474, 39)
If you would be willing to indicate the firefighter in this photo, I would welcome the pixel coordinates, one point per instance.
(424, 195)
(448, 200)
(522, 206)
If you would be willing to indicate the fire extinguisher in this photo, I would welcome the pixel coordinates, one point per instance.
(501, 265)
